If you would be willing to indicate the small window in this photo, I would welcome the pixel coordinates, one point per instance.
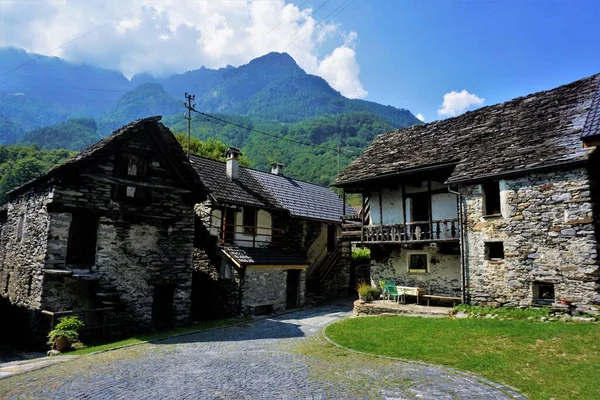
(494, 251)
(249, 220)
(81, 249)
(225, 272)
(491, 198)
(29, 284)
(417, 262)
(6, 283)
(20, 227)
(543, 292)
(132, 167)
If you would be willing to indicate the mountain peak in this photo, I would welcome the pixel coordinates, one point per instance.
(274, 58)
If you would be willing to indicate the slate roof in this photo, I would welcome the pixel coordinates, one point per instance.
(248, 256)
(536, 131)
(266, 190)
(592, 123)
(244, 191)
(166, 145)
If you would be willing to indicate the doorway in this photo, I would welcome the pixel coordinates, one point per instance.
(229, 225)
(292, 288)
(162, 306)
(420, 211)
(331, 237)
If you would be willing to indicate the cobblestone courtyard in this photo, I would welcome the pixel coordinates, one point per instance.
(284, 357)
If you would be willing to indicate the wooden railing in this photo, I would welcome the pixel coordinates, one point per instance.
(248, 236)
(438, 230)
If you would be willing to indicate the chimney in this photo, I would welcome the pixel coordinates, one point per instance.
(277, 168)
(233, 164)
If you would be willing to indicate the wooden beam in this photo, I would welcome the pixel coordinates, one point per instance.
(430, 209)
(139, 184)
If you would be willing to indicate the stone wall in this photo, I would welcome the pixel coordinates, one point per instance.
(138, 247)
(390, 262)
(547, 229)
(22, 271)
(268, 287)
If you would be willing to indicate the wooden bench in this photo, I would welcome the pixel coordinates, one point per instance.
(434, 297)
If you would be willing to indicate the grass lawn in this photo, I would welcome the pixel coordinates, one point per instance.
(201, 326)
(543, 360)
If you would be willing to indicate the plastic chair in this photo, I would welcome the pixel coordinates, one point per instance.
(392, 292)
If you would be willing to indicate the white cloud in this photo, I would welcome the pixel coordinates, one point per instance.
(168, 36)
(458, 102)
(420, 117)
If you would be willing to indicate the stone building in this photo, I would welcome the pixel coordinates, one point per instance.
(498, 206)
(269, 233)
(107, 235)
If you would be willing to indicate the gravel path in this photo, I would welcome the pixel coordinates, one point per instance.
(284, 357)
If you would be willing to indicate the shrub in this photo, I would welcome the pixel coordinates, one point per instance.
(503, 312)
(361, 254)
(68, 328)
(364, 289)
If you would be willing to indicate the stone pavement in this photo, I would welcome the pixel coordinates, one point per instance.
(284, 357)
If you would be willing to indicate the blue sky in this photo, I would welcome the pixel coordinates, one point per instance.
(436, 58)
(412, 53)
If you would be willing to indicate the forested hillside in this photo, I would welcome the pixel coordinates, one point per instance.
(74, 134)
(20, 164)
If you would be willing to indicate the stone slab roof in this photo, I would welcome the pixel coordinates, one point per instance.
(248, 256)
(165, 144)
(262, 189)
(592, 123)
(536, 131)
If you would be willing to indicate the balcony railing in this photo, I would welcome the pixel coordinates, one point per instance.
(424, 231)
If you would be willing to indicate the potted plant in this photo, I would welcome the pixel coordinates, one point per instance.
(363, 291)
(373, 294)
(63, 334)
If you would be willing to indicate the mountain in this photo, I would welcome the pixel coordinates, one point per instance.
(10, 131)
(38, 91)
(73, 134)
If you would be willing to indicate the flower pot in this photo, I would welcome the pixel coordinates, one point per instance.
(62, 344)
(362, 298)
(565, 302)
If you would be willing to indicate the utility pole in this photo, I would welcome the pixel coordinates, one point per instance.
(339, 151)
(190, 103)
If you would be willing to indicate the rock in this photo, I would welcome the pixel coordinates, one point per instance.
(461, 315)
(584, 319)
(51, 353)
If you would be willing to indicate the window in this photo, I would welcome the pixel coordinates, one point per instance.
(20, 227)
(249, 220)
(133, 168)
(543, 292)
(494, 251)
(491, 198)
(417, 262)
(6, 283)
(83, 233)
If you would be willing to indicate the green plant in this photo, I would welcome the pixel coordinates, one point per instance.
(503, 312)
(363, 289)
(67, 328)
(373, 293)
(361, 254)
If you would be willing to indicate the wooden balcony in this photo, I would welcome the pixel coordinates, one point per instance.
(418, 231)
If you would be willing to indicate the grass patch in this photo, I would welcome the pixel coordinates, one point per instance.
(201, 326)
(543, 360)
(504, 312)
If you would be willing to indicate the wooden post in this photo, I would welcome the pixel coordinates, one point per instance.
(430, 209)
(380, 214)
(404, 211)
(362, 218)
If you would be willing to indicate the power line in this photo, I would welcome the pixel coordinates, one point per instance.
(336, 149)
(77, 38)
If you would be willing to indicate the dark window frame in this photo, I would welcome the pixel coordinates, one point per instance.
(494, 251)
(249, 225)
(491, 198)
(83, 240)
(415, 270)
(543, 292)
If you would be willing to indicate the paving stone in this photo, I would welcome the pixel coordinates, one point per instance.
(277, 358)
